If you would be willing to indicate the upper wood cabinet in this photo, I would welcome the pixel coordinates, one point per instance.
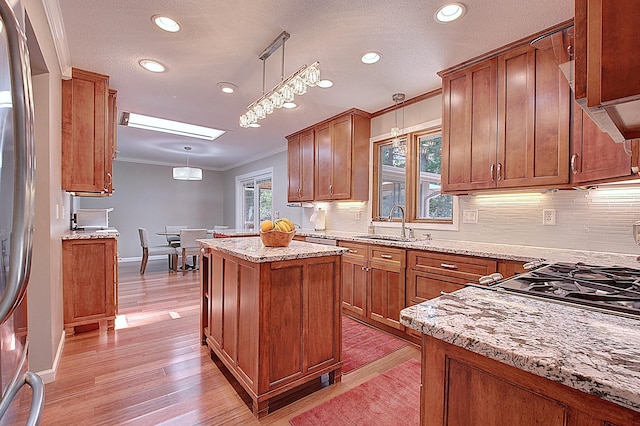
(300, 161)
(88, 133)
(506, 123)
(339, 163)
(607, 66)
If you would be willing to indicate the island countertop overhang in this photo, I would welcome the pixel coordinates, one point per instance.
(252, 249)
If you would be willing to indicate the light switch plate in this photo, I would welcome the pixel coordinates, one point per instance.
(469, 216)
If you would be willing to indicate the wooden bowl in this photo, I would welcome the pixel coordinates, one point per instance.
(276, 238)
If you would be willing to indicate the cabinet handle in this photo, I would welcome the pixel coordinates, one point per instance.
(108, 186)
(573, 163)
(299, 192)
(353, 251)
(499, 171)
(448, 266)
(491, 170)
(331, 189)
(386, 256)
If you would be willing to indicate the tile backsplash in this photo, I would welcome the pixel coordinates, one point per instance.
(596, 219)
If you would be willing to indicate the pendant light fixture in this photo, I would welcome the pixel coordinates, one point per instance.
(283, 93)
(187, 173)
(399, 144)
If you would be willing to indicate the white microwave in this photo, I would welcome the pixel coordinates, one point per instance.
(92, 218)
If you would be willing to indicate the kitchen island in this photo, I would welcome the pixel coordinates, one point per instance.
(490, 357)
(272, 315)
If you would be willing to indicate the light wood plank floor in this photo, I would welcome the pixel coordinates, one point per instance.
(153, 370)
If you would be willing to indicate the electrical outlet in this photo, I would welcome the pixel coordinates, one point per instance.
(276, 214)
(356, 215)
(469, 216)
(549, 216)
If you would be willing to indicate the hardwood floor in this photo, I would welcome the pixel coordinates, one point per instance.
(152, 369)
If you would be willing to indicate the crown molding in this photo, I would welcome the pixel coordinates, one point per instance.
(56, 25)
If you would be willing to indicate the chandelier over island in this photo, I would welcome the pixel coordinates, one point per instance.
(285, 91)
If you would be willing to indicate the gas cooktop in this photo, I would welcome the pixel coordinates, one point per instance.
(609, 288)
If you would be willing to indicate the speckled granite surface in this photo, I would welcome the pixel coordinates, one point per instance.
(235, 232)
(252, 249)
(91, 235)
(494, 251)
(593, 352)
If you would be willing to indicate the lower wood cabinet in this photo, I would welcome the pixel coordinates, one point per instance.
(274, 325)
(460, 387)
(374, 282)
(89, 283)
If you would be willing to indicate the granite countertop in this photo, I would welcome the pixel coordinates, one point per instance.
(252, 249)
(235, 232)
(593, 352)
(490, 250)
(91, 235)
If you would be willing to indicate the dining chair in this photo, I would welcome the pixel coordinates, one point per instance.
(189, 245)
(170, 251)
(174, 239)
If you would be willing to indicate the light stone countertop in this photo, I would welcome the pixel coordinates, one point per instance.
(91, 235)
(490, 250)
(593, 352)
(252, 249)
(236, 232)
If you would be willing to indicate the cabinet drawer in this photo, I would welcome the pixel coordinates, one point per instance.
(466, 268)
(387, 255)
(356, 250)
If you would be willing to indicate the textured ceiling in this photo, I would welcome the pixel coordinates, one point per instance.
(221, 40)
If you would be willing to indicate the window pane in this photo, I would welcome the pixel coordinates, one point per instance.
(264, 186)
(431, 204)
(392, 181)
(248, 205)
(256, 201)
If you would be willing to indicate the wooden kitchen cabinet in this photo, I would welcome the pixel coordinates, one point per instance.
(90, 283)
(300, 160)
(88, 133)
(374, 282)
(505, 122)
(354, 278)
(460, 387)
(342, 158)
(607, 69)
(274, 325)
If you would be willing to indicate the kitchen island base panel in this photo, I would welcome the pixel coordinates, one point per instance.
(276, 326)
(462, 387)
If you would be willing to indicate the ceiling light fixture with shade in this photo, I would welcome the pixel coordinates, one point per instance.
(283, 93)
(399, 144)
(187, 173)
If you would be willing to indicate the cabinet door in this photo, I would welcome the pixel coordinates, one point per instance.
(324, 162)
(595, 156)
(469, 128)
(230, 310)
(354, 284)
(85, 140)
(533, 120)
(216, 299)
(386, 294)
(301, 163)
(341, 147)
(112, 145)
(89, 293)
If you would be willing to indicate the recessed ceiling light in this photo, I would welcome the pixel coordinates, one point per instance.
(371, 57)
(450, 12)
(152, 66)
(254, 125)
(227, 87)
(166, 23)
(325, 83)
(289, 105)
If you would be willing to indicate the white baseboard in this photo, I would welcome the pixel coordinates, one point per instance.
(49, 375)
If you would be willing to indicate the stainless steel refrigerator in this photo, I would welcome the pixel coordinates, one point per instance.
(17, 167)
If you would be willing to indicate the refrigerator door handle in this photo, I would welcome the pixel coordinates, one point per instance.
(37, 392)
(23, 201)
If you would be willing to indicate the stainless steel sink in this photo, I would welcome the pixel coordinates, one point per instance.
(385, 237)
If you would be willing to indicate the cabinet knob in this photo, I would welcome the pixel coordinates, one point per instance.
(574, 157)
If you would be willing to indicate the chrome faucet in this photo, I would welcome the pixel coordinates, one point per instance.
(402, 234)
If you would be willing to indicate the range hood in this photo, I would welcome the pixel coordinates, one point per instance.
(620, 118)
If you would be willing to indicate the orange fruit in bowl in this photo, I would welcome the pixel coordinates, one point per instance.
(266, 226)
